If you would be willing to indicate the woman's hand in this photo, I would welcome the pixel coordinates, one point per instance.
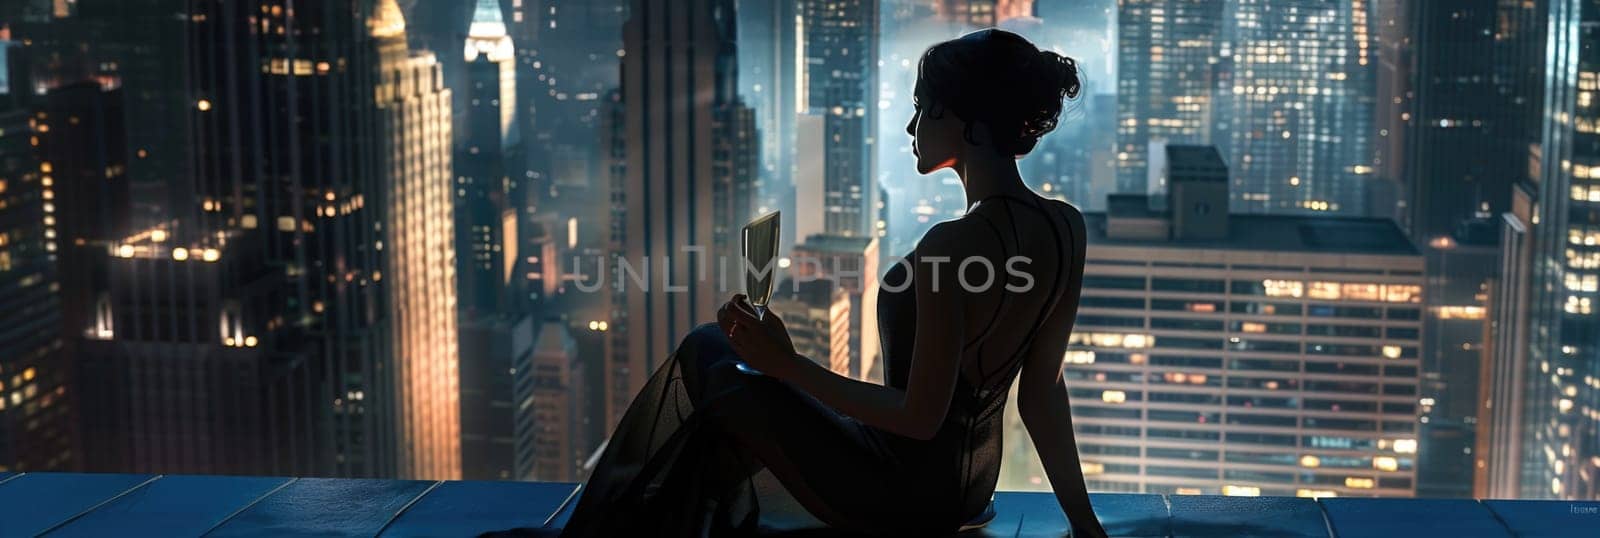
(763, 343)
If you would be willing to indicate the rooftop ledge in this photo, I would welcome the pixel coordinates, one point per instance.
(68, 504)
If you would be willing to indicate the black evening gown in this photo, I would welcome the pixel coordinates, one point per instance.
(685, 457)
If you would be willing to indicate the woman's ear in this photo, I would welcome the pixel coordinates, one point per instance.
(976, 133)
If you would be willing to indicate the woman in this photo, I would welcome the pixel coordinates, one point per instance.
(921, 454)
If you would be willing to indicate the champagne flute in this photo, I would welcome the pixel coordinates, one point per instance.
(760, 258)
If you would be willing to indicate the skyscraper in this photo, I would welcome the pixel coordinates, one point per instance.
(1560, 456)
(555, 396)
(486, 216)
(769, 80)
(33, 381)
(1292, 104)
(840, 77)
(497, 432)
(1243, 354)
(315, 236)
(414, 123)
(684, 135)
(1455, 340)
(1166, 57)
(1467, 141)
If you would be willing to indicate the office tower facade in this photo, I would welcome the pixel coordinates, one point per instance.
(769, 67)
(1292, 114)
(1166, 59)
(567, 56)
(851, 265)
(1560, 411)
(1502, 384)
(1306, 385)
(496, 362)
(1455, 332)
(1244, 354)
(414, 121)
(817, 315)
(486, 219)
(1394, 43)
(556, 394)
(179, 372)
(682, 133)
(1468, 138)
(35, 428)
(323, 187)
(840, 52)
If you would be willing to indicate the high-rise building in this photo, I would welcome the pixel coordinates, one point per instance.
(851, 264)
(1166, 57)
(769, 80)
(315, 235)
(1470, 115)
(567, 56)
(840, 51)
(555, 394)
(497, 432)
(1560, 404)
(486, 218)
(1244, 354)
(1467, 139)
(179, 369)
(817, 315)
(687, 166)
(1394, 45)
(415, 169)
(35, 406)
(1499, 445)
(1292, 113)
(1461, 270)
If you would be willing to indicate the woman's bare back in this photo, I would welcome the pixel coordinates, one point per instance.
(1029, 242)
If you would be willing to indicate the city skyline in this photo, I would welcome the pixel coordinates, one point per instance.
(356, 238)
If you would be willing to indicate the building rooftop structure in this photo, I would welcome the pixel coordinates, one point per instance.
(70, 504)
(1277, 233)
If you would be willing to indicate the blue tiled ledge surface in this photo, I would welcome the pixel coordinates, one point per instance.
(68, 504)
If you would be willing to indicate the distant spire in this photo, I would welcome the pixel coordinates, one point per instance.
(487, 36)
(487, 21)
(387, 20)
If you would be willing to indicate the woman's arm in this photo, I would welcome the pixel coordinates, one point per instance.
(1042, 399)
(915, 412)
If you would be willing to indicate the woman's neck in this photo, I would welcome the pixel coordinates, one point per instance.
(989, 175)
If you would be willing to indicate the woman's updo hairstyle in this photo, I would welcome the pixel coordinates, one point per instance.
(998, 78)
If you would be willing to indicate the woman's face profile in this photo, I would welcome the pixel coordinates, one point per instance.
(936, 140)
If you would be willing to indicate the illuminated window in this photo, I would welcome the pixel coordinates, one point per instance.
(1241, 491)
(1402, 293)
(1074, 356)
(1578, 305)
(1459, 312)
(1283, 288)
(1358, 482)
(1404, 446)
(1362, 292)
(1315, 493)
(1324, 290)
